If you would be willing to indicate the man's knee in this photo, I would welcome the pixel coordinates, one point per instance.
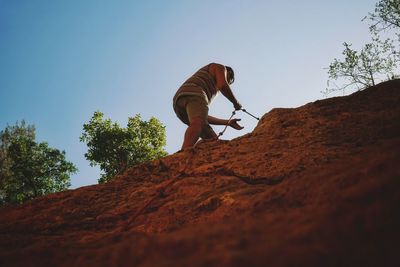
(208, 133)
(197, 122)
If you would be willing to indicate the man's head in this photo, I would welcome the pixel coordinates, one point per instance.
(230, 75)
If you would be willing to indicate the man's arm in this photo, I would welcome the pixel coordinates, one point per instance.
(216, 121)
(220, 74)
(233, 122)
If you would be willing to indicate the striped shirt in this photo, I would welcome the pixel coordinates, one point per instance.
(202, 84)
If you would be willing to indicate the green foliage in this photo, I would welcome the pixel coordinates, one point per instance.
(29, 169)
(361, 69)
(114, 148)
(377, 60)
(385, 16)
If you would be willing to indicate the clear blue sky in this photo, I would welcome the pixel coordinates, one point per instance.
(62, 60)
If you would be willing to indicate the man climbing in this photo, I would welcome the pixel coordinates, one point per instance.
(192, 99)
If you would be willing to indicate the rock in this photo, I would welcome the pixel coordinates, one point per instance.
(316, 185)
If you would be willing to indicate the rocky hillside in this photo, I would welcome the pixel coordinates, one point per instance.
(317, 185)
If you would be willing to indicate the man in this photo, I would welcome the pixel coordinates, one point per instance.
(192, 99)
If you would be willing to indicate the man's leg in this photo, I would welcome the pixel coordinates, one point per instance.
(197, 112)
(193, 132)
(208, 133)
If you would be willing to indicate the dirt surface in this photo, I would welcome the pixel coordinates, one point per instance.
(317, 185)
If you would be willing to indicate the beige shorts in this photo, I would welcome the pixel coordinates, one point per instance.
(190, 106)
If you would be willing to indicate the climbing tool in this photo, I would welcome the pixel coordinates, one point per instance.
(250, 114)
(226, 126)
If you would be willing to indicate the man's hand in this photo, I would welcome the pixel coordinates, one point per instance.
(237, 106)
(234, 124)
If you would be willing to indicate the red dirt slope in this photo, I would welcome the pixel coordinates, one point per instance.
(317, 185)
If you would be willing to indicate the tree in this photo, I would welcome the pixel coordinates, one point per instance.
(377, 60)
(361, 69)
(115, 149)
(385, 16)
(29, 169)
